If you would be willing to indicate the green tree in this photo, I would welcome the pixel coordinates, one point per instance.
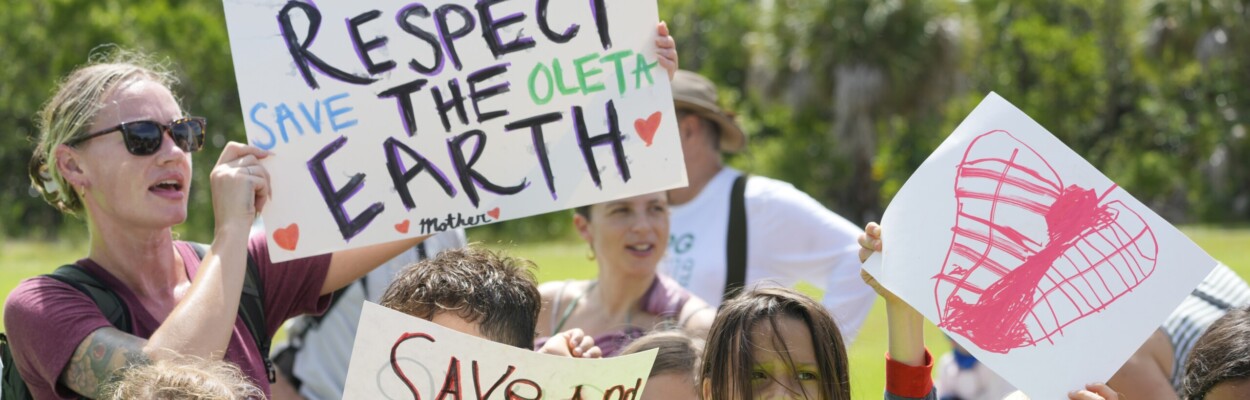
(819, 84)
(1196, 100)
(44, 40)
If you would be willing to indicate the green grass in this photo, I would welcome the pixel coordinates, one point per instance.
(567, 260)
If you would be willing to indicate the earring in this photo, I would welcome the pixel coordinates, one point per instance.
(590, 253)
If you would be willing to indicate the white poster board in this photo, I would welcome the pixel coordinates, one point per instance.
(398, 356)
(397, 119)
(1031, 258)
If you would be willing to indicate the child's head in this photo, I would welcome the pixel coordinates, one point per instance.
(774, 343)
(1219, 365)
(672, 374)
(184, 378)
(471, 290)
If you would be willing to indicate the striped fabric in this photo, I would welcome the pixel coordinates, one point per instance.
(1221, 290)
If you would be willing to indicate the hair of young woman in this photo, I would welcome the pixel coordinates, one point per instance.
(678, 352)
(184, 378)
(1221, 355)
(727, 357)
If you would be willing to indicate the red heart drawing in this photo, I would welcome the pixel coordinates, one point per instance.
(287, 237)
(402, 227)
(494, 214)
(646, 127)
(1030, 255)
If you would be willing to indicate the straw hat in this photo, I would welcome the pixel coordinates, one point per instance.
(692, 92)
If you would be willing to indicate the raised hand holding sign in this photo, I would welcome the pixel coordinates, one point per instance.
(410, 119)
(1029, 257)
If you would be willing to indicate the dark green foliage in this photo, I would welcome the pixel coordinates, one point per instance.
(42, 41)
(845, 98)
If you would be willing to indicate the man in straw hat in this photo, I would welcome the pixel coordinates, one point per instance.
(730, 231)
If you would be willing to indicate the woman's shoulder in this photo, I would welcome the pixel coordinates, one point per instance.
(556, 296)
(37, 288)
(562, 291)
(666, 296)
(697, 316)
(45, 320)
(674, 303)
(41, 296)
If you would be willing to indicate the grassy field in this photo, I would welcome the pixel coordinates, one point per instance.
(567, 260)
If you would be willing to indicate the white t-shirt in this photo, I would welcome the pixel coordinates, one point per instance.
(790, 237)
(326, 349)
(1219, 292)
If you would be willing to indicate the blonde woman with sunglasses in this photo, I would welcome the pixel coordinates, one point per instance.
(115, 149)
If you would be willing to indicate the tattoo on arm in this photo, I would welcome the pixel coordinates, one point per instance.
(100, 358)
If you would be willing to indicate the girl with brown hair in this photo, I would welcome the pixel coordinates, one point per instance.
(774, 343)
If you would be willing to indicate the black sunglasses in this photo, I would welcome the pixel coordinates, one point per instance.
(143, 138)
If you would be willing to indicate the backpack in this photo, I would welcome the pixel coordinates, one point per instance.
(251, 309)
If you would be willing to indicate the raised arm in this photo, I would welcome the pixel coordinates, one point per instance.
(907, 357)
(906, 325)
(99, 357)
(908, 364)
(349, 265)
(201, 323)
(696, 317)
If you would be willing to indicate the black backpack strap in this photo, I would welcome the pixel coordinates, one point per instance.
(736, 240)
(110, 303)
(12, 386)
(251, 308)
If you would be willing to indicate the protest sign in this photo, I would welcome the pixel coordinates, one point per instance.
(396, 119)
(1029, 257)
(398, 356)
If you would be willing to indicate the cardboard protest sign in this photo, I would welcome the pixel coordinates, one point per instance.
(398, 356)
(1031, 258)
(397, 119)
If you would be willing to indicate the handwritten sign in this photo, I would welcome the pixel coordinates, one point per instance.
(398, 356)
(1031, 258)
(397, 119)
